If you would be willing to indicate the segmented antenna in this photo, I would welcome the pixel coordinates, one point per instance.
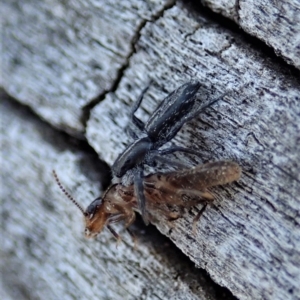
(66, 193)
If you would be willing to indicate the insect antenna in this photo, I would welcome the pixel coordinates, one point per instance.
(66, 193)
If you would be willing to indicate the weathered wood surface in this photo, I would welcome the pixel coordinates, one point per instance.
(60, 55)
(276, 22)
(251, 243)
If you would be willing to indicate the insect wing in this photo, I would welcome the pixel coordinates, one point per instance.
(205, 176)
(188, 187)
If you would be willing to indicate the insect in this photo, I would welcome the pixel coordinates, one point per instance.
(168, 118)
(166, 194)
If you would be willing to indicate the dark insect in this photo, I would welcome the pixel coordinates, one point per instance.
(168, 118)
(166, 194)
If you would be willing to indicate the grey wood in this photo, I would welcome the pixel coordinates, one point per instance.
(57, 56)
(62, 60)
(276, 22)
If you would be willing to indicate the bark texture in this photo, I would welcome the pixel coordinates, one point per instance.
(276, 23)
(60, 55)
(79, 66)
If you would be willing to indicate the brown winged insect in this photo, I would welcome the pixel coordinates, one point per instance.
(166, 194)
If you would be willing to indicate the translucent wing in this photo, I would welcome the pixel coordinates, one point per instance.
(187, 187)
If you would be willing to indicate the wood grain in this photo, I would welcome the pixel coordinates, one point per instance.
(276, 23)
(80, 67)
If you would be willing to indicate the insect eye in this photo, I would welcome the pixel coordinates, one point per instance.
(93, 208)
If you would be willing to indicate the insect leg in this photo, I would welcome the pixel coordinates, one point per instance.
(196, 219)
(125, 213)
(178, 149)
(116, 235)
(130, 219)
(136, 121)
(139, 192)
(117, 218)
